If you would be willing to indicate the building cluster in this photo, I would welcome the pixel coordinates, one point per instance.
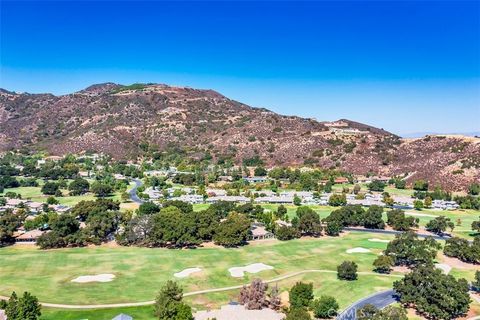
(213, 195)
(33, 209)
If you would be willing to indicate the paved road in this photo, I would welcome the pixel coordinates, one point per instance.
(379, 300)
(193, 293)
(133, 193)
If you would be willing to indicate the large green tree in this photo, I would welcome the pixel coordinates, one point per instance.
(434, 294)
(101, 189)
(347, 270)
(26, 307)
(79, 186)
(233, 231)
(439, 225)
(301, 295)
(10, 221)
(169, 305)
(309, 223)
(372, 218)
(325, 307)
(370, 312)
(50, 188)
(406, 249)
(398, 221)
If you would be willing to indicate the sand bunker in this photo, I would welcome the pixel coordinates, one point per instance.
(105, 277)
(185, 273)
(358, 250)
(444, 267)
(378, 240)
(238, 272)
(416, 214)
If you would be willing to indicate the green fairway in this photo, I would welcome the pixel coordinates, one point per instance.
(464, 217)
(346, 292)
(141, 271)
(35, 194)
(138, 313)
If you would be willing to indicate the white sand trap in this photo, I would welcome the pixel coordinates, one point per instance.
(416, 214)
(238, 272)
(105, 277)
(444, 267)
(378, 240)
(185, 273)
(358, 250)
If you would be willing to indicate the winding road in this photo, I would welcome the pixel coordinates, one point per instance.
(133, 192)
(379, 300)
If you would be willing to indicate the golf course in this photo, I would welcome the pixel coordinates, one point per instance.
(140, 272)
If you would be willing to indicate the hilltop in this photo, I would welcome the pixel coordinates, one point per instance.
(120, 120)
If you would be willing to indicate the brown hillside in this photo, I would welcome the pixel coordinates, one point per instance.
(114, 119)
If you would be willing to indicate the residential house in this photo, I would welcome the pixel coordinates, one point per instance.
(444, 205)
(275, 199)
(240, 199)
(35, 207)
(255, 179)
(259, 232)
(60, 208)
(12, 203)
(189, 198)
(341, 180)
(216, 192)
(119, 176)
(29, 236)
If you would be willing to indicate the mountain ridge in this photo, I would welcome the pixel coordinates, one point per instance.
(118, 120)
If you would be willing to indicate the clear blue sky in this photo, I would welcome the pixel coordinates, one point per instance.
(404, 66)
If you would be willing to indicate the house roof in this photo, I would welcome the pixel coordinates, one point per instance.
(122, 316)
(29, 235)
(259, 231)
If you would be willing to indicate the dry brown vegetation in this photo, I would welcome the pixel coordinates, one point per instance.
(115, 119)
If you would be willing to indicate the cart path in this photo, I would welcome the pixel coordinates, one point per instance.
(193, 293)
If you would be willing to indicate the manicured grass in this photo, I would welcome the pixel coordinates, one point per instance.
(35, 194)
(141, 271)
(325, 284)
(399, 192)
(466, 218)
(138, 313)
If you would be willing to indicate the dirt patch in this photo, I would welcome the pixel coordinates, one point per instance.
(401, 269)
(457, 264)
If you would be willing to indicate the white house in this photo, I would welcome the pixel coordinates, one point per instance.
(241, 199)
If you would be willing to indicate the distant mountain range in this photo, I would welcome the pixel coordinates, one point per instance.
(423, 134)
(124, 120)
